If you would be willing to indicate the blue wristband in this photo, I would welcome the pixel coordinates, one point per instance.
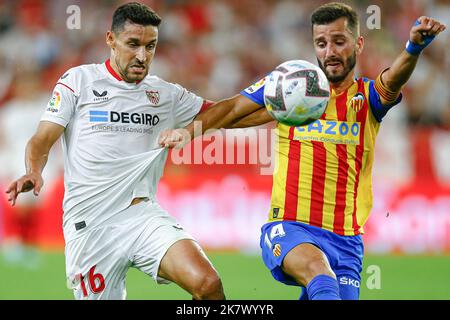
(414, 48)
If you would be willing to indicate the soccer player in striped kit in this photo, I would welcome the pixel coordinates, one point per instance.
(322, 192)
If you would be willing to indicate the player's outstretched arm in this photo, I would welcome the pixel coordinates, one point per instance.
(36, 155)
(234, 112)
(391, 81)
(227, 113)
(256, 118)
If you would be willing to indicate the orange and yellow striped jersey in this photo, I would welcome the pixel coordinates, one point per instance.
(323, 170)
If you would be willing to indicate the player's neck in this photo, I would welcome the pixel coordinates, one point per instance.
(115, 68)
(339, 87)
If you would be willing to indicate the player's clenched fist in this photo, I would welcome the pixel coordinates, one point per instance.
(425, 26)
(423, 32)
(26, 183)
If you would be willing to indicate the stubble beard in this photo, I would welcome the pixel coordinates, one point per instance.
(349, 65)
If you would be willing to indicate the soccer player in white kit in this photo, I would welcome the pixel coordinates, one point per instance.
(110, 116)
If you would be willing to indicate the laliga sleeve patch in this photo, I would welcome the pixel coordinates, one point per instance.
(255, 87)
(54, 103)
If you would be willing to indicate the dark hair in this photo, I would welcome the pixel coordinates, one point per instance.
(330, 12)
(136, 13)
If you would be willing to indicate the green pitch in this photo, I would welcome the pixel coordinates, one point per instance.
(244, 277)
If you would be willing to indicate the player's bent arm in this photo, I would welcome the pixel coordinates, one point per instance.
(36, 155)
(259, 117)
(390, 81)
(235, 112)
(256, 118)
(229, 113)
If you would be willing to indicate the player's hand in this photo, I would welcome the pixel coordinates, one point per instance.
(174, 138)
(26, 183)
(424, 29)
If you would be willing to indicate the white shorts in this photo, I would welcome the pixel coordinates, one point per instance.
(139, 237)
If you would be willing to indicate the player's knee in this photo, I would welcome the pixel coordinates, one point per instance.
(305, 270)
(316, 267)
(208, 286)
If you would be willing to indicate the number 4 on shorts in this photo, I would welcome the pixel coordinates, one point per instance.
(96, 282)
(276, 230)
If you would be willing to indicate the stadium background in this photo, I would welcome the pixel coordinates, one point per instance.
(216, 48)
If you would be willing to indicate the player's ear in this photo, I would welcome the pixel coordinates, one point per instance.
(110, 39)
(359, 45)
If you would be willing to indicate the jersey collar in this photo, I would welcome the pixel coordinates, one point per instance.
(111, 70)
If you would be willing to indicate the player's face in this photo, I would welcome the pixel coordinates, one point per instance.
(133, 50)
(336, 49)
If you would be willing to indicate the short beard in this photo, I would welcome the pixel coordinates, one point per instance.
(129, 79)
(349, 66)
(124, 73)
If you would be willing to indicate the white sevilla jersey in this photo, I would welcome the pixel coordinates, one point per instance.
(110, 140)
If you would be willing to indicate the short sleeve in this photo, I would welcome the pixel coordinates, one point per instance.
(187, 106)
(61, 106)
(255, 92)
(378, 109)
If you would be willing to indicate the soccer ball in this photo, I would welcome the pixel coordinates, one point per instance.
(296, 93)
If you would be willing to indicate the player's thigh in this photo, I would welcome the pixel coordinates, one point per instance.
(96, 265)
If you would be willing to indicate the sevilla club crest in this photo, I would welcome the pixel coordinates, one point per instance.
(153, 96)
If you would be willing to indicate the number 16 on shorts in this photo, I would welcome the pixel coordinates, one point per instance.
(93, 282)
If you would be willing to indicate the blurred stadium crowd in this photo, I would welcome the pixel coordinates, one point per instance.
(216, 48)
